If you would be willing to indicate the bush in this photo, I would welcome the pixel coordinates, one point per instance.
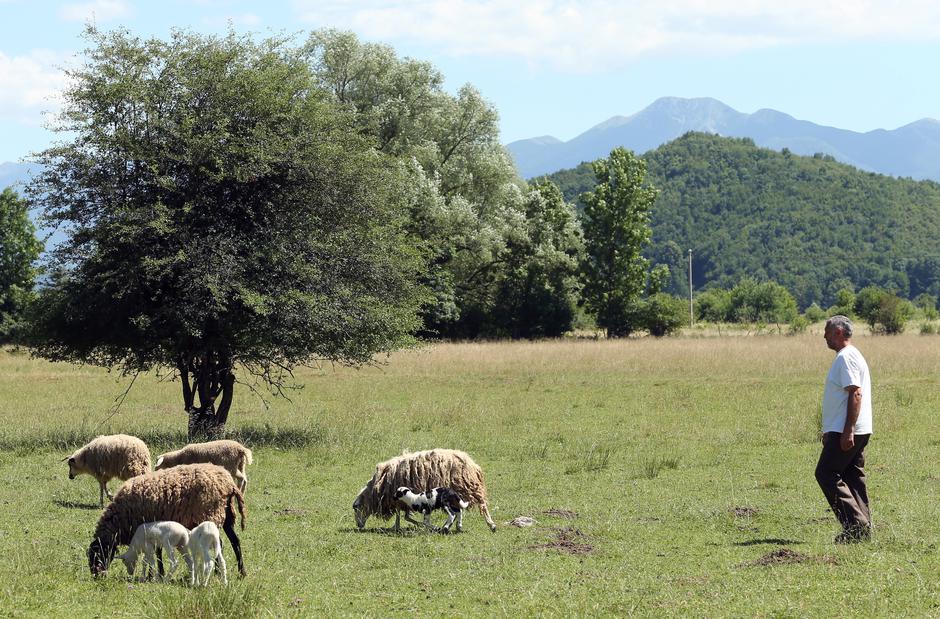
(814, 313)
(664, 314)
(799, 325)
(928, 328)
(892, 314)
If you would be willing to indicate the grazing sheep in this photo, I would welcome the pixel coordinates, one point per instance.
(434, 499)
(205, 547)
(107, 457)
(187, 494)
(162, 534)
(230, 455)
(423, 469)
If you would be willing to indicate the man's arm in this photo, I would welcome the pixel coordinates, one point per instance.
(853, 408)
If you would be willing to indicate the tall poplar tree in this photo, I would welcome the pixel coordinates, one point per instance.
(616, 226)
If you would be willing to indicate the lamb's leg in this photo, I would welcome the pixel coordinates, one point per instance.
(241, 480)
(459, 521)
(171, 557)
(188, 557)
(229, 527)
(450, 519)
(208, 564)
(221, 563)
(148, 562)
(486, 516)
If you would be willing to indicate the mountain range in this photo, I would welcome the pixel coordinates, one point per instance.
(909, 151)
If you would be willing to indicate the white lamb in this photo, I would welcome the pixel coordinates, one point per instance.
(205, 548)
(152, 535)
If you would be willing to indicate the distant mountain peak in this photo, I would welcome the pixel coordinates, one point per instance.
(912, 150)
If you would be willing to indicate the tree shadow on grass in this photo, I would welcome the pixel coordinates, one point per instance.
(76, 505)
(777, 541)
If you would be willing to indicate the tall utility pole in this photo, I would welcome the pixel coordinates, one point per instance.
(691, 315)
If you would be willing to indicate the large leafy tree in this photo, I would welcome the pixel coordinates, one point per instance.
(467, 200)
(222, 213)
(616, 230)
(19, 251)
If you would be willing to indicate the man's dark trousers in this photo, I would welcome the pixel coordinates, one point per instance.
(842, 480)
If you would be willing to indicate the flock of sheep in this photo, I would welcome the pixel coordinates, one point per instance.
(193, 491)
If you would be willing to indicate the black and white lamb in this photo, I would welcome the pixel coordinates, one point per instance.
(434, 499)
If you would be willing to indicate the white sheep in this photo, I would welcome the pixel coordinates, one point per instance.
(107, 457)
(448, 468)
(230, 455)
(205, 547)
(148, 537)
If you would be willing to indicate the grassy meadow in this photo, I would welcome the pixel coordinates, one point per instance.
(666, 477)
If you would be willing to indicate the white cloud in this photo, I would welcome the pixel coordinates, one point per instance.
(584, 34)
(95, 11)
(30, 85)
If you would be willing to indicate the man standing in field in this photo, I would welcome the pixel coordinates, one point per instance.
(846, 426)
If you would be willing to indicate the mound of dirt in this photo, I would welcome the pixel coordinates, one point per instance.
(567, 539)
(785, 556)
(566, 514)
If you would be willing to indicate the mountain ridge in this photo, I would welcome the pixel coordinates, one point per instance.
(912, 150)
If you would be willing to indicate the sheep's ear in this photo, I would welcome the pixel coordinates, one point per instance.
(159, 462)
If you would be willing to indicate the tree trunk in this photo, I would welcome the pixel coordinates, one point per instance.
(207, 376)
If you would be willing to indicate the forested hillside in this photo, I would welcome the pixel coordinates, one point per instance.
(808, 223)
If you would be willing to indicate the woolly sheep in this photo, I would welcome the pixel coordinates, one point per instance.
(107, 457)
(205, 547)
(188, 494)
(423, 469)
(230, 455)
(148, 537)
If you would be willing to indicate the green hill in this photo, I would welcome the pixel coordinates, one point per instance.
(808, 223)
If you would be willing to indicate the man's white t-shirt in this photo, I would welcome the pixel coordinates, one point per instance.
(848, 368)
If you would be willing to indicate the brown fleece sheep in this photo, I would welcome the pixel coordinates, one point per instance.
(188, 494)
(230, 455)
(422, 470)
(107, 457)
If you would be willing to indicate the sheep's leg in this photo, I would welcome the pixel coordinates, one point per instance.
(412, 520)
(102, 490)
(450, 519)
(486, 516)
(229, 527)
(397, 521)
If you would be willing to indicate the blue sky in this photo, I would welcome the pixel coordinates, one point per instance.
(550, 67)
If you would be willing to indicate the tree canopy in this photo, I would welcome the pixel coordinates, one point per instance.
(19, 251)
(222, 211)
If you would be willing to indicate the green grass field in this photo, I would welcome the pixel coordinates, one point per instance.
(666, 477)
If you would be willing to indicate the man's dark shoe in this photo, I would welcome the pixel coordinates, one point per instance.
(854, 535)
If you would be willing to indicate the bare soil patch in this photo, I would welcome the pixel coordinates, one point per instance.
(786, 556)
(567, 539)
(567, 514)
(744, 512)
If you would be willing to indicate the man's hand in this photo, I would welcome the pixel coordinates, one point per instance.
(847, 441)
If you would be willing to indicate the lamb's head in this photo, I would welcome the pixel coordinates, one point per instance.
(401, 492)
(361, 506)
(130, 561)
(100, 555)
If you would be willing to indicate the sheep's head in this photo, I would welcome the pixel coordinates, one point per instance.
(100, 554)
(361, 506)
(74, 470)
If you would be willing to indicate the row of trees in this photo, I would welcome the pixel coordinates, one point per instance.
(232, 203)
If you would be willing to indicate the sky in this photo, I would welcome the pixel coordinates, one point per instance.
(549, 67)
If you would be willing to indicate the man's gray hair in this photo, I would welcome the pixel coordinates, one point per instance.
(841, 322)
